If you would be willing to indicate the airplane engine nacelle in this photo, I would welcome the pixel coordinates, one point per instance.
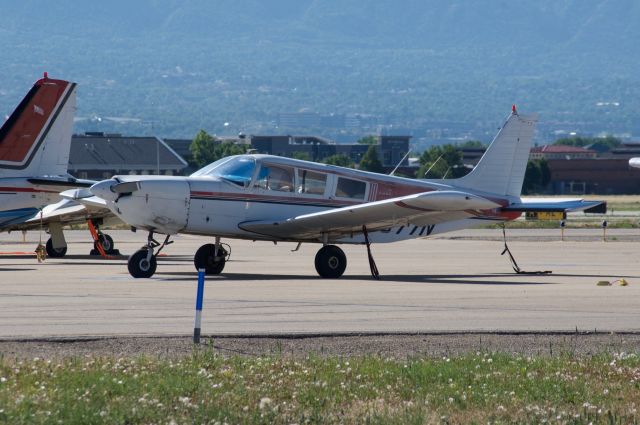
(160, 205)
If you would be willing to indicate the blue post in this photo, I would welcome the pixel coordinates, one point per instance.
(196, 328)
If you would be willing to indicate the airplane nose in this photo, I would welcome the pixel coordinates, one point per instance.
(103, 190)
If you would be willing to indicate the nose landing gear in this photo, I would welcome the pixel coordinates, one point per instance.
(143, 262)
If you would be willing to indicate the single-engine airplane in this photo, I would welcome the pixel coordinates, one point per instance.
(34, 154)
(263, 197)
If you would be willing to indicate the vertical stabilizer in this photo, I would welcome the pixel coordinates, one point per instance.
(36, 138)
(501, 169)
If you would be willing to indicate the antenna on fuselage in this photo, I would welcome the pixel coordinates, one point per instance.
(433, 165)
(400, 163)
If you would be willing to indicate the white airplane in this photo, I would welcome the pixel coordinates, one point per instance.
(263, 197)
(34, 154)
(634, 162)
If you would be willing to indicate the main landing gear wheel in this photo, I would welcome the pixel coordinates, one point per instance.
(205, 259)
(140, 265)
(330, 262)
(55, 252)
(107, 244)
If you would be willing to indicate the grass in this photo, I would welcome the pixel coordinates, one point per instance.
(208, 388)
(575, 223)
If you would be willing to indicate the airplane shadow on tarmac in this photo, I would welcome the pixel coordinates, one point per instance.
(452, 279)
(455, 279)
(2, 269)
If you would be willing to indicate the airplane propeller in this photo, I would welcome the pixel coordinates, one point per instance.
(113, 189)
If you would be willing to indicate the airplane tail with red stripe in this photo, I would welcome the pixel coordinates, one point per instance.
(35, 140)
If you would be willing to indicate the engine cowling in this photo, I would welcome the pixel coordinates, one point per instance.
(158, 204)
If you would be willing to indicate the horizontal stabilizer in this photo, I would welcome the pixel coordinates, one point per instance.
(557, 205)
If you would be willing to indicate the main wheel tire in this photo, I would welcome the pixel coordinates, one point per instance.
(55, 252)
(330, 262)
(107, 243)
(204, 259)
(139, 266)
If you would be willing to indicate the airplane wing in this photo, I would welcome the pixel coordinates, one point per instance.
(69, 210)
(557, 205)
(419, 209)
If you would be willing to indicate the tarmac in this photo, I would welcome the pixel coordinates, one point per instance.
(457, 282)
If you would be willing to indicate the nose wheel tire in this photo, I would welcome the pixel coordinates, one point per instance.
(55, 252)
(205, 259)
(139, 266)
(330, 262)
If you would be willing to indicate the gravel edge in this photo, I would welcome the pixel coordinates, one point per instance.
(397, 346)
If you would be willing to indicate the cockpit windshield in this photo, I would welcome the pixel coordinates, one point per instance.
(236, 169)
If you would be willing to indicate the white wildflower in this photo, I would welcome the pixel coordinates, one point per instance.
(264, 403)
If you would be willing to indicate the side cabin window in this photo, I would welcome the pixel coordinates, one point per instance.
(348, 188)
(275, 177)
(311, 182)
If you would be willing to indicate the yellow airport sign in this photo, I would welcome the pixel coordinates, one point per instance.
(546, 215)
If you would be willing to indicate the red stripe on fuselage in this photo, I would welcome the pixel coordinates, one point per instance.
(21, 130)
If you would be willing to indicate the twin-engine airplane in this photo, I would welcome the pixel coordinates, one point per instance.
(34, 155)
(262, 197)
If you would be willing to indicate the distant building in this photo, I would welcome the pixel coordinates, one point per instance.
(593, 175)
(97, 156)
(549, 152)
(471, 156)
(391, 149)
(181, 147)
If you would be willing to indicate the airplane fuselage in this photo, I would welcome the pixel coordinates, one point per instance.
(215, 205)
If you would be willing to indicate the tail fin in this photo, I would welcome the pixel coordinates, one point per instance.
(36, 138)
(501, 169)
